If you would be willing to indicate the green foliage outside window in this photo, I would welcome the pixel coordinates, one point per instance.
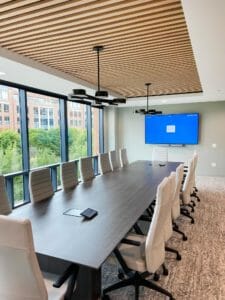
(44, 150)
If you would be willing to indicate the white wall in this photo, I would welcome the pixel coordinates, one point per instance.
(130, 134)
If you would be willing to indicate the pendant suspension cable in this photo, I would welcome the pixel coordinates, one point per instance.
(98, 49)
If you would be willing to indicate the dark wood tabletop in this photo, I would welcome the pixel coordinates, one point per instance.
(120, 198)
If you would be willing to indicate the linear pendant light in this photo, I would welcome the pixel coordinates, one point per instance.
(101, 97)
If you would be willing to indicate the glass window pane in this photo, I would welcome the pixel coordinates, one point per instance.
(44, 133)
(77, 130)
(95, 131)
(10, 139)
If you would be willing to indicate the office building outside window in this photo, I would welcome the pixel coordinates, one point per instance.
(32, 134)
(77, 130)
(44, 132)
(10, 138)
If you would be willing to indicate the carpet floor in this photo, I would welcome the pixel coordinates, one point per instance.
(200, 275)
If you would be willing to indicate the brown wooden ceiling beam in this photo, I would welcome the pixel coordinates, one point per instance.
(92, 27)
(99, 39)
(129, 53)
(109, 44)
(96, 33)
(16, 4)
(74, 18)
(63, 13)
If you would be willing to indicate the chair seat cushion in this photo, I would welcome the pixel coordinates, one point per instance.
(134, 256)
(54, 293)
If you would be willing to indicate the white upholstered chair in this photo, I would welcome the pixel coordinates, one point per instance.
(176, 207)
(187, 191)
(104, 163)
(168, 218)
(176, 201)
(160, 154)
(69, 177)
(194, 188)
(5, 207)
(123, 157)
(20, 275)
(149, 254)
(114, 160)
(40, 185)
(86, 169)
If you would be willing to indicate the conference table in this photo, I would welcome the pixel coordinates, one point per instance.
(120, 198)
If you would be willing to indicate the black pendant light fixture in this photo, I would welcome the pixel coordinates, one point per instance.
(148, 111)
(101, 97)
(99, 93)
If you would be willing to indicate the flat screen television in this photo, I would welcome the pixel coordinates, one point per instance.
(172, 129)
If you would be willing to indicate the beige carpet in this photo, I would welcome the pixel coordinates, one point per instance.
(200, 275)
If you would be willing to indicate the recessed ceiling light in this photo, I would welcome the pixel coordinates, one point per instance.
(2, 73)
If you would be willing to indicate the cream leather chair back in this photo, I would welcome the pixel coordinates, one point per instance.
(40, 185)
(195, 158)
(20, 275)
(113, 160)
(188, 184)
(168, 220)
(123, 157)
(176, 201)
(69, 175)
(104, 163)
(5, 207)
(86, 169)
(155, 240)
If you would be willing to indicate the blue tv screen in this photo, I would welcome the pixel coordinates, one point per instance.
(172, 129)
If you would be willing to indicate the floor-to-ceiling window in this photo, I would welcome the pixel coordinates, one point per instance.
(33, 134)
(77, 129)
(10, 137)
(10, 141)
(44, 132)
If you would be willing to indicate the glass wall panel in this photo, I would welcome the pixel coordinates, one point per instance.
(10, 139)
(44, 132)
(95, 131)
(77, 130)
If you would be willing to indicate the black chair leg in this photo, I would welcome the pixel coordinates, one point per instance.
(138, 229)
(165, 270)
(188, 216)
(178, 256)
(191, 206)
(193, 202)
(148, 212)
(176, 229)
(120, 284)
(196, 196)
(137, 280)
(153, 286)
(136, 291)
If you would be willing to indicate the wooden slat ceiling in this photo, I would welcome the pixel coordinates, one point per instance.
(144, 40)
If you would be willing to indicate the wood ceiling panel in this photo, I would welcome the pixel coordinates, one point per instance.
(109, 40)
(145, 41)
